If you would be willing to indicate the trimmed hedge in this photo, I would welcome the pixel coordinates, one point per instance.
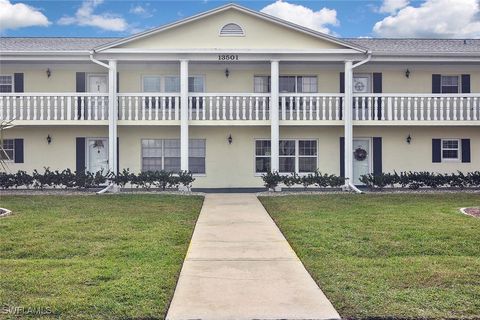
(416, 180)
(273, 179)
(83, 180)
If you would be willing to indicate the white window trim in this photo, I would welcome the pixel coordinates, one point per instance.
(297, 155)
(13, 159)
(459, 150)
(163, 153)
(232, 35)
(12, 76)
(459, 77)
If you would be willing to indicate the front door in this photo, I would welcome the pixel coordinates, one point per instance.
(361, 159)
(97, 83)
(97, 154)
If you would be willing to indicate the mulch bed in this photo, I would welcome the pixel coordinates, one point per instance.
(474, 212)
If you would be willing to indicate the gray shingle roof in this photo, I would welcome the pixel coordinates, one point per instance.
(380, 46)
(51, 44)
(419, 46)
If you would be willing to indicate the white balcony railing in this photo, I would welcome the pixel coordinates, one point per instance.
(240, 107)
(229, 106)
(149, 106)
(53, 106)
(310, 106)
(416, 107)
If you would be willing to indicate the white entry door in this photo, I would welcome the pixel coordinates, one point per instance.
(97, 154)
(97, 83)
(362, 159)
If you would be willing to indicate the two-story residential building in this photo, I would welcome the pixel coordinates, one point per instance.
(233, 93)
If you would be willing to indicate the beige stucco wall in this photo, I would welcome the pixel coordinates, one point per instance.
(233, 165)
(204, 33)
(241, 75)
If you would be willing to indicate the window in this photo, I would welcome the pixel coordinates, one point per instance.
(151, 84)
(298, 156)
(6, 83)
(261, 84)
(287, 84)
(231, 30)
(164, 154)
(171, 84)
(450, 149)
(8, 150)
(307, 84)
(262, 156)
(286, 156)
(307, 156)
(450, 84)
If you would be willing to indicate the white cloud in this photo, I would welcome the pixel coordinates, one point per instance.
(316, 20)
(138, 10)
(143, 11)
(433, 19)
(392, 6)
(19, 15)
(85, 16)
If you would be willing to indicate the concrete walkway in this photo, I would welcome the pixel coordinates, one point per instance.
(239, 266)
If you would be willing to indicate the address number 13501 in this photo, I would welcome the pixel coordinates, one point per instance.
(228, 57)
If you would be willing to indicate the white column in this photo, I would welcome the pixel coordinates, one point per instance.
(347, 118)
(184, 115)
(274, 125)
(112, 116)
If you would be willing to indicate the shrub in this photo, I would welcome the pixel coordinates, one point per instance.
(416, 180)
(185, 178)
(271, 179)
(7, 180)
(124, 177)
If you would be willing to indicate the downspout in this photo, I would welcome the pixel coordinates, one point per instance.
(349, 183)
(98, 61)
(111, 185)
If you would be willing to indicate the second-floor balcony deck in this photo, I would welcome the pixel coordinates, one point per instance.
(240, 109)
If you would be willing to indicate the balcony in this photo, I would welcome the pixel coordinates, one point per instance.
(240, 108)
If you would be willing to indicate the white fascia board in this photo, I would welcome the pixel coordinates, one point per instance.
(239, 8)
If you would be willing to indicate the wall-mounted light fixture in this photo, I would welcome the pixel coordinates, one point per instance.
(407, 73)
(230, 139)
(49, 139)
(409, 139)
(227, 72)
(49, 73)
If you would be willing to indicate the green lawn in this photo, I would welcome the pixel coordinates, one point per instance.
(94, 257)
(403, 256)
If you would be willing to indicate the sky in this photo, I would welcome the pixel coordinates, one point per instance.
(341, 18)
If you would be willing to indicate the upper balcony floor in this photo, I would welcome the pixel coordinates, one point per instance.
(239, 94)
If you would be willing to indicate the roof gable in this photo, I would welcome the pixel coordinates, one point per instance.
(203, 32)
